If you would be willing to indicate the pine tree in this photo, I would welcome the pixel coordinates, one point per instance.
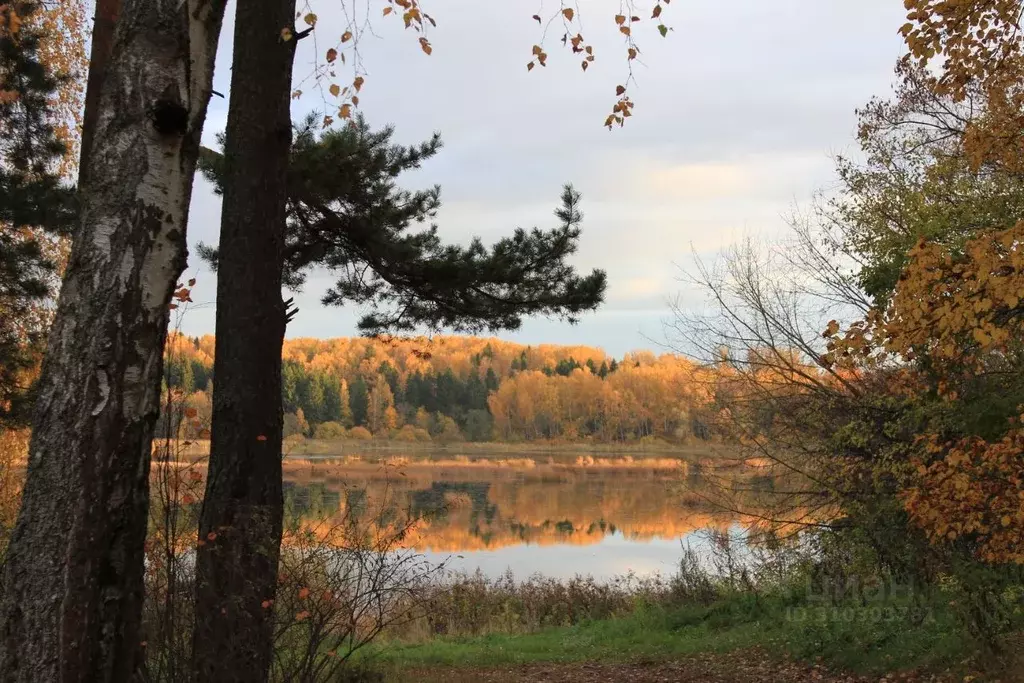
(412, 279)
(35, 205)
(491, 380)
(359, 401)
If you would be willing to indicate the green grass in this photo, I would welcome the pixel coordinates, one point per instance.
(859, 641)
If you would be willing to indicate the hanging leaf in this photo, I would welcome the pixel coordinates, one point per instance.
(663, 30)
(620, 19)
(388, 10)
(310, 19)
(657, 12)
(568, 13)
(619, 90)
(335, 89)
(345, 111)
(425, 45)
(358, 83)
(346, 36)
(537, 17)
(529, 66)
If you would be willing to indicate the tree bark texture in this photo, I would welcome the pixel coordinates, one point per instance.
(241, 521)
(103, 25)
(73, 583)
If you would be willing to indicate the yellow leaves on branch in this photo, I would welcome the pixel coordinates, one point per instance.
(623, 106)
(956, 309)
(980, 46)
(974, 490)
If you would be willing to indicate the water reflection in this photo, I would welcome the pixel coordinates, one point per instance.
(588, 515)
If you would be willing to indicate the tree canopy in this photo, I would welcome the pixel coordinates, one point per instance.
(345, 212)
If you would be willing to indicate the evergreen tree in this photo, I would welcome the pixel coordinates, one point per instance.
(475, 394)
(291, 374)
(491, 380)
(603, 370)
(331, 389)
(345, 212)
(359, 401)
(479, 425)
(35, 206)
(200, 374)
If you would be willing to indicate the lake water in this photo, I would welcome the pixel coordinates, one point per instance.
(555, 515)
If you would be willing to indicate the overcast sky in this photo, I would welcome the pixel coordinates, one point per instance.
(738, 115)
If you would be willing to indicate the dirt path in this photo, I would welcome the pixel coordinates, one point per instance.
(737, 667)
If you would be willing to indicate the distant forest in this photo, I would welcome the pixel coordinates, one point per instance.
(460, 388)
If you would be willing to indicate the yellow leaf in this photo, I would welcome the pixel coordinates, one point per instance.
(355, 100)
(310, 19)
(345, 111)
(568, 13)
(346, 36)
(335, 89)
(620, 19)
(624, 30)
(358, 83)
(529, 66)
(388, 10)
(619, 90)
(286, 34)
(425, 45)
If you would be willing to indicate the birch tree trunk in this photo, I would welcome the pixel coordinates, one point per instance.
(73, 582)
(241, 521)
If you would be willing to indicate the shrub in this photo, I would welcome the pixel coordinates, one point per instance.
(406, 433)
(360, 434)
(329, 431)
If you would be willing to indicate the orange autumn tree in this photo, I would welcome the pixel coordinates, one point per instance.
(958, 319)
(954, 321)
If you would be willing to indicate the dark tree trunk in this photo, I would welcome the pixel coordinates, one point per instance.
(72, 595)
(103, 25)
(240, 527)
